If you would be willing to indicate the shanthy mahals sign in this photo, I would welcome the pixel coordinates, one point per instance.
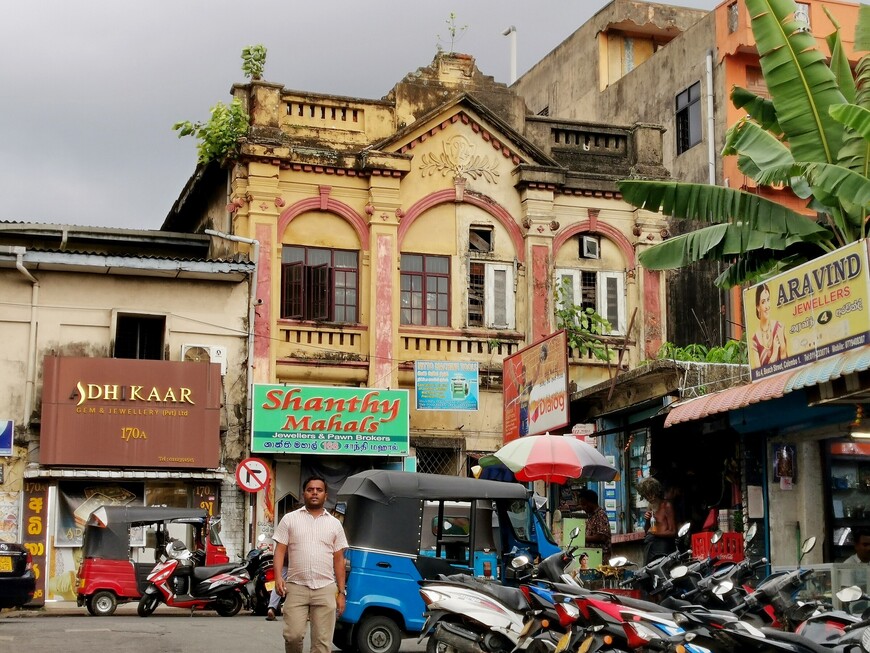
(811, 312)
(328, 420)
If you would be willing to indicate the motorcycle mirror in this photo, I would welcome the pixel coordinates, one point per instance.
(749, 535)
(718, 535)
(807, 546)
(575, 532)
(800, 613)
(618, 561)
(723, 587)
(679, 571)
(849, 594)
(684, 530)
(519, 562)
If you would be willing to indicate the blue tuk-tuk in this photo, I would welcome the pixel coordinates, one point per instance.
(406, 527)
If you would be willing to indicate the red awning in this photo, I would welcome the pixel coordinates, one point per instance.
(772, 387)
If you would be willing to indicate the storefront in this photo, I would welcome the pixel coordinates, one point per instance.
(117, 432)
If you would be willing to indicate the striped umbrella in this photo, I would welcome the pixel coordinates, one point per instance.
(552, 458)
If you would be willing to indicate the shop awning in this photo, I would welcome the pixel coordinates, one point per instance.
(857, 360)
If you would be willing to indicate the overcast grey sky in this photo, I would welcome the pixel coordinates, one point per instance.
(91, 88)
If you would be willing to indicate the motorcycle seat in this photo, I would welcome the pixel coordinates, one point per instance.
(201, 573)
(785, 636)
(512, 597)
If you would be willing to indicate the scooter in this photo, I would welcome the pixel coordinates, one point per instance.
(262, 578)
(473, 615)
(178, 583)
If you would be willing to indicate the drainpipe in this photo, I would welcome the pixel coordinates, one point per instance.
(30, 374)
(252, 305)
(711, 122)
(248, 534)
(512, 33)
(711, 153)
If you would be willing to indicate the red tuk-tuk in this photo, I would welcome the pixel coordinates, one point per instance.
(122, 543)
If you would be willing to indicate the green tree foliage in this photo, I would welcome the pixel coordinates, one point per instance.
(733, 351)
(219, 135)
(583, 326)
(812, 135)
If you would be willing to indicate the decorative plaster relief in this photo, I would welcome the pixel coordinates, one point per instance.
(458, 159)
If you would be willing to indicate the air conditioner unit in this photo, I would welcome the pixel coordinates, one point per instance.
(589, 247)
(205, 353)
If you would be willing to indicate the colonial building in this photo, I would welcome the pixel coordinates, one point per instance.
(124, 381)
(674, 67)
(428, 227)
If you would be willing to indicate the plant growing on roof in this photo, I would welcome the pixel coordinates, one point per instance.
(219, 135)
(455, 31)
(254, 61)
(812, 135)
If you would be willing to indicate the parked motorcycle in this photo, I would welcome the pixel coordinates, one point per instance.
(179, 583)
(262, 581)
(474, 615)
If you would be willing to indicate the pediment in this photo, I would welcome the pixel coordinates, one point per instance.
(464, 139)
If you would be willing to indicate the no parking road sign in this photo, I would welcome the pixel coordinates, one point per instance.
(252, 474)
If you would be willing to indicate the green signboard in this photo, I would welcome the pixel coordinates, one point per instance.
(329, 420)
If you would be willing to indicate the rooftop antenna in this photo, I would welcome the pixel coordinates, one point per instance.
(512, 32)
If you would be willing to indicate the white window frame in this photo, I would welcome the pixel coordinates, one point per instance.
(601, 278)
(489, 299)
(489, 295)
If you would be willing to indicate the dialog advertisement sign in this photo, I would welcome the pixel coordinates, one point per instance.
(811, 312)
(446, 385)
(536, 388)
(329, 420)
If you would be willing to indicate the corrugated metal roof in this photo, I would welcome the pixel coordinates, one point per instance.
(773, 387)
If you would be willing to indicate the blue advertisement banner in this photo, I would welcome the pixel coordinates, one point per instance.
(6, 429)
(446, 385)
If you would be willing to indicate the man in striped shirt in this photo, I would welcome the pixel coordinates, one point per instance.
(314, 543)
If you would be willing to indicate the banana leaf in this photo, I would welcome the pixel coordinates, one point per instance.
(717, 204)
(862, 32)
(855, 153)
(801, 85)
(761, 155)
(760, 109)
(840, 65)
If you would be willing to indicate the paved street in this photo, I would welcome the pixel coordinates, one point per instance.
(169, 630)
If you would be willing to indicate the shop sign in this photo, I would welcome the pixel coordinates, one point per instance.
(329, 420)
(536, 388)
(130, 413)
(7, 430)
(446, 385)
(35, 521)
(812, 312)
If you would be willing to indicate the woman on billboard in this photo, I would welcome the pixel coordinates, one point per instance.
(768, 342)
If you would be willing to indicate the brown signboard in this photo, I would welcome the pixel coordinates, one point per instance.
(130, 413)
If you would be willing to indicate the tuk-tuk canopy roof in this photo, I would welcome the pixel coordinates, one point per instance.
(384, 486)
(110, 516)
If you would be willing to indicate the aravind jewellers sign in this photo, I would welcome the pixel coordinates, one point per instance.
(329, 420)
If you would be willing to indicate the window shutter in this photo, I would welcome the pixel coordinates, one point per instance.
(318, 292)
(500, 304)
(291, 290)
(611, 299)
